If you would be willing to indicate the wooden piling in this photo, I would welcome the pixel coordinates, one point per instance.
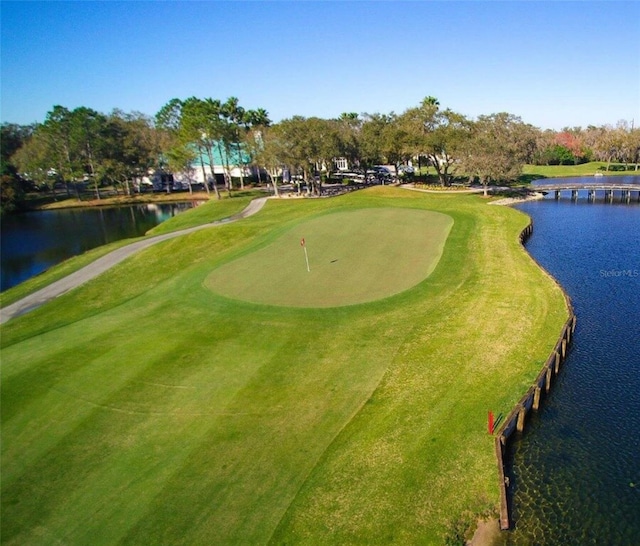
(537, 393)
(504, 507)
(522, 413)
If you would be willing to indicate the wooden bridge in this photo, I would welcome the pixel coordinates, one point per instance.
(626, 190)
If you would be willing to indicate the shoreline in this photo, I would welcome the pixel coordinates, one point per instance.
(488, 531)
(120, 201)
(40, 297)
(508, 201)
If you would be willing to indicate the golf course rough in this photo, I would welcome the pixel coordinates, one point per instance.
(354, 257)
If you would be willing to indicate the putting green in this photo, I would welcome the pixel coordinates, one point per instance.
(354, 257)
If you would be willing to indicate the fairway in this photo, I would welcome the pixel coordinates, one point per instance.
(144, 407)
(354, 257)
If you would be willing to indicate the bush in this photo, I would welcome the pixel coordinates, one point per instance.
(404, 175)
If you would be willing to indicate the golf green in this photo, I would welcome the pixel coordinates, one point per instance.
(354, 256)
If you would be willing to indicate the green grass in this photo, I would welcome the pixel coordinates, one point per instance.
(61, 200)
(143, 408)
(59, 271)
(207, 212)
(586, 169)
(354, 257)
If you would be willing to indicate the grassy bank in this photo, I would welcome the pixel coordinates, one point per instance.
(61, 200)
(209, 211)
(46, 201)
(586, 169)
(146, 408)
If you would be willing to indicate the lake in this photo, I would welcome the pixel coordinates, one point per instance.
(34, 241)
(576, 468)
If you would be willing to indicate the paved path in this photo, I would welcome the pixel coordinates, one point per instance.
(107, 261)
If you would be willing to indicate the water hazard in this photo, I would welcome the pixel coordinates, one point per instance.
(34, 241)
(577, 466)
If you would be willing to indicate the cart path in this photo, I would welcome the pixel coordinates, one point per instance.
(61, 286)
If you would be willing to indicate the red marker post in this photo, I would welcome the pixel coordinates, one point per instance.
(490, 423)
(306, 256)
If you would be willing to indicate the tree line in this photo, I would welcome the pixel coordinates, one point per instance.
(82, 148)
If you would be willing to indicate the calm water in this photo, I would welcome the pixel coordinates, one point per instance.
(34, 241)
(577, 467)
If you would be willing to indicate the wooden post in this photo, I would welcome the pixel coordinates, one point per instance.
(522, 413)
(504, 506)
(531, 400)
(536, 397)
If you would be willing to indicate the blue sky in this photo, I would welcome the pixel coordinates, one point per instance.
(554, 64)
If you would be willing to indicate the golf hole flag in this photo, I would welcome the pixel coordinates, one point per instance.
(306, 256)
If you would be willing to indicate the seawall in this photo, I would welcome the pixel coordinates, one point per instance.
(530, 401)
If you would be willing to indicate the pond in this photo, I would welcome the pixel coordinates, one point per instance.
(577, 466)
(32, 242)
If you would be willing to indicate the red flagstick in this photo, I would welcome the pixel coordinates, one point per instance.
(306, 257)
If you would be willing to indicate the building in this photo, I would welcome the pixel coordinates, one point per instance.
(234, 163)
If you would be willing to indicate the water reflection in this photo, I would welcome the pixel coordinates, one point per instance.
(32, 242)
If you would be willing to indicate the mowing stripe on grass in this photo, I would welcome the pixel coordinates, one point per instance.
(144, 408)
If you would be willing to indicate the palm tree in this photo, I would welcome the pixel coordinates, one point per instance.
(234, 116)
(430, 101)
(257, 118)
(255, 122)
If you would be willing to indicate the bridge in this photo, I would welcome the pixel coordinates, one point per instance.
(627, 189)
